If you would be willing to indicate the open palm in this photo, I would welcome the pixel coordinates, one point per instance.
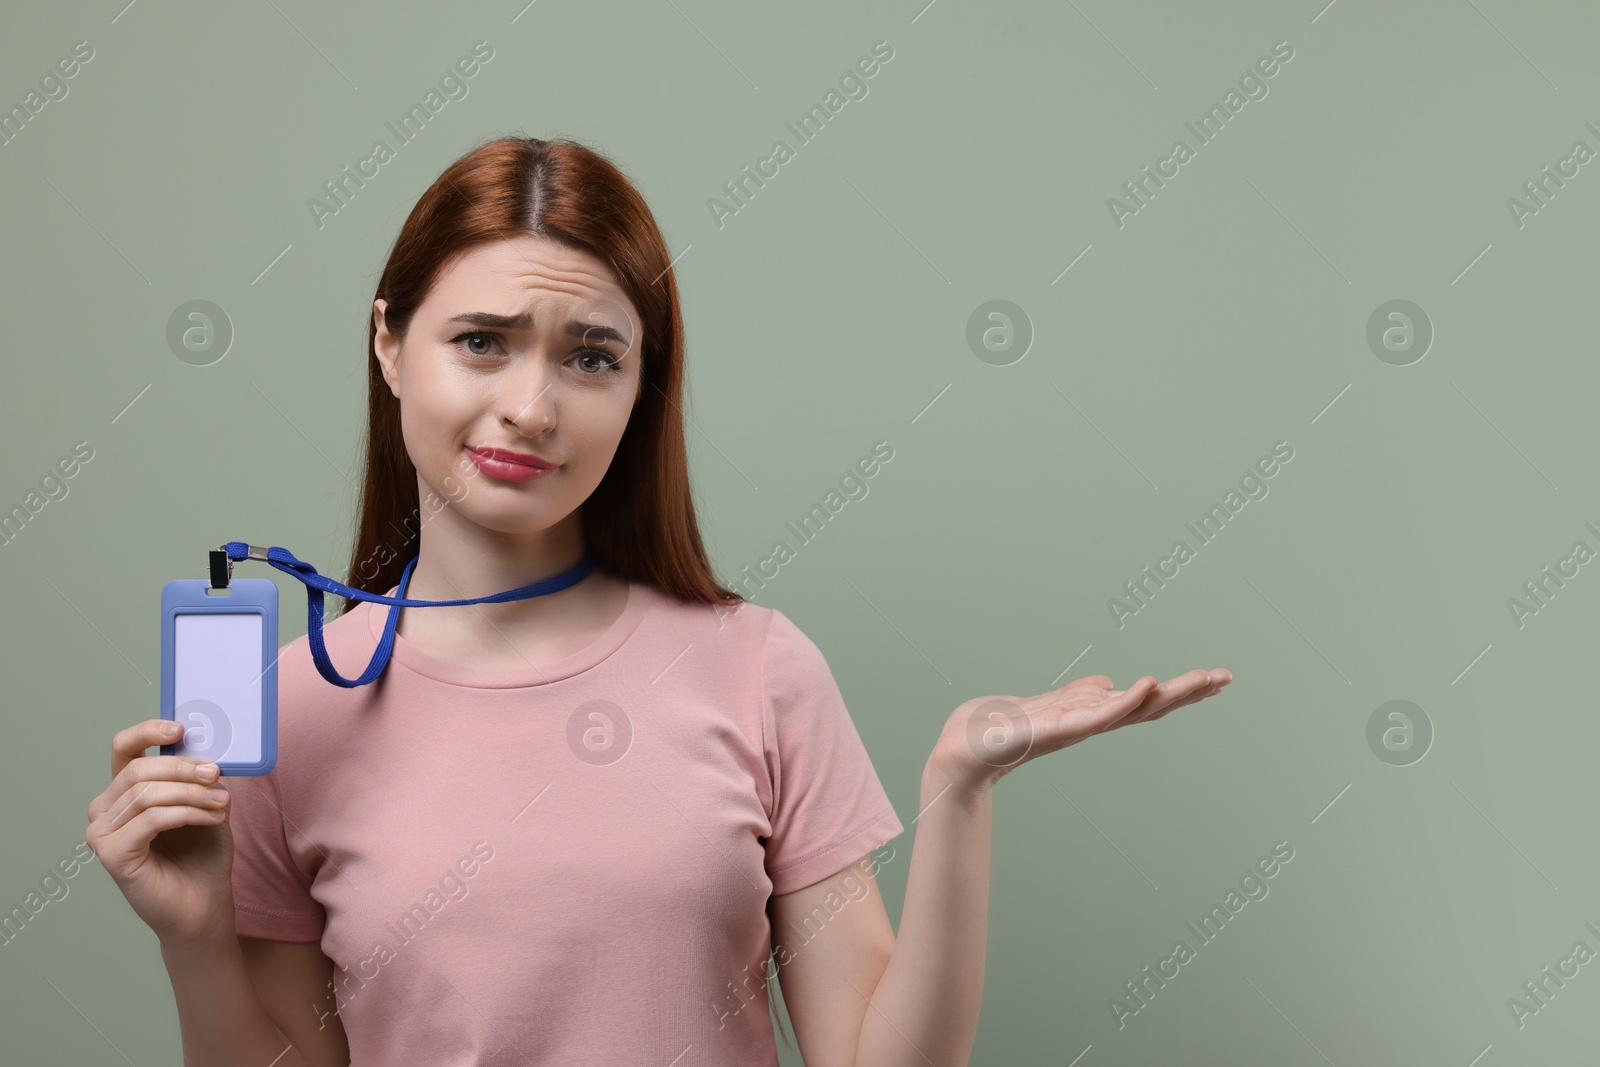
(988, 737)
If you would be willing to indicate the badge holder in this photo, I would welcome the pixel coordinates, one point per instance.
(219, 667)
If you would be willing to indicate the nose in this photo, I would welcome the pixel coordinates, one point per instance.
(528, 401)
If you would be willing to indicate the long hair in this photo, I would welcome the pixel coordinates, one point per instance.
(640, 520)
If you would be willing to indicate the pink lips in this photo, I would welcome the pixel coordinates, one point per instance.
(508, 465)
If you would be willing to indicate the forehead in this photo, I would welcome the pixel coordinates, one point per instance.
(526, 273)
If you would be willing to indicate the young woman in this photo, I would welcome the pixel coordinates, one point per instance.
(571, 829)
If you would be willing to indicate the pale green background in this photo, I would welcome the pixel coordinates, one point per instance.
(830, 314)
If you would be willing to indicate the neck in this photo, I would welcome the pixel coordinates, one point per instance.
(459, 559)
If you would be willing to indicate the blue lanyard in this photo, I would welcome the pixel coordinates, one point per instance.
(317, 584)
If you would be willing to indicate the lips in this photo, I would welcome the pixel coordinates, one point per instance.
(509, 466)
(505, 455)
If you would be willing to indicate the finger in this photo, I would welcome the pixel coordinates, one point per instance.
(1110, 713)
(134, 837)
(147, 795)
(1189, 679)
(129, 744)
(1187, 688)
(1221, 678)
(1193, 698)
(151, 769)
(1165, 696)
(1177, 688)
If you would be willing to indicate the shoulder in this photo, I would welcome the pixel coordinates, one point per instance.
(783, 662)
(794, 669)
(738, 640)
(762, 634)
(734, 625)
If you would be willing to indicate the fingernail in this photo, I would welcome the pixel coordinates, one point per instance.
(217, 794)
(170, 728)
(207, 771)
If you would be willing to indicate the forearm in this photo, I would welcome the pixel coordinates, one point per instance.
(222, 1020)
(925, 1008)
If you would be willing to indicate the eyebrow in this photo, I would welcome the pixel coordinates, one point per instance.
(524, 321)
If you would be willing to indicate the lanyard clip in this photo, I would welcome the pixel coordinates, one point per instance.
(222, 561)
(221, 568)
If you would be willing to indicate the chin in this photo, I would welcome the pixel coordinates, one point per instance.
(515, 522)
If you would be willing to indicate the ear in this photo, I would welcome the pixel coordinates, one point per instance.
(386, 347)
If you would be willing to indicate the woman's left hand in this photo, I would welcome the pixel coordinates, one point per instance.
(988, 737)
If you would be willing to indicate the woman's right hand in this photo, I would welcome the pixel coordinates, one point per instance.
(163, 837)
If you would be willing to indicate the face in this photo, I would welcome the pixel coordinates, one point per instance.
(524, 352)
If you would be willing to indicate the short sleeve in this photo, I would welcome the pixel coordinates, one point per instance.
(271, 895)
(828, 806)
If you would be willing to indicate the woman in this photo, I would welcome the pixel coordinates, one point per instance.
(573, 828)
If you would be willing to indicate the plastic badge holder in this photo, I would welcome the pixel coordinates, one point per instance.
(219, 672)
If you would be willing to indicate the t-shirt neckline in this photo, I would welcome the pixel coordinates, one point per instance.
(456, 674)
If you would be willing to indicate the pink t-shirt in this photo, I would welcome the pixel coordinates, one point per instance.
(560, 866)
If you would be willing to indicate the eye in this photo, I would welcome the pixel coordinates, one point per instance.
(467, 342)
(475, 334)
(612, 366)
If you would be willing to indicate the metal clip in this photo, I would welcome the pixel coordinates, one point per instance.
(221, 568)
(255, 552)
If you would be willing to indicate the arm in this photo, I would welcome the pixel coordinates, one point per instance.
(856, 995)
(925, 1008)
(224, 987)
(161, 831)
(829, 959)
(922, 1010)
(292, 980)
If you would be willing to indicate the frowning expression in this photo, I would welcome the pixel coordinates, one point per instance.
(516, 378)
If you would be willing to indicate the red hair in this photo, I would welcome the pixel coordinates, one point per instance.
(640, 520)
